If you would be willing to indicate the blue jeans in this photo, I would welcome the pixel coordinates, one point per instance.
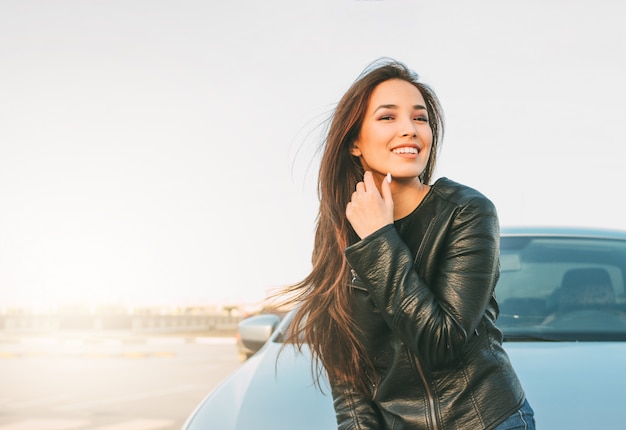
(522, 419)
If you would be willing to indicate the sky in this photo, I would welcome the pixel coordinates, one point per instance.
(165, 152)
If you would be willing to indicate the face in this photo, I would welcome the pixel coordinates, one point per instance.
(395, 136)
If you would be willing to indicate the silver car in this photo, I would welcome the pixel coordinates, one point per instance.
(562, 303)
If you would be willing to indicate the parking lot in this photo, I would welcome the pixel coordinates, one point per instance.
(108, 382)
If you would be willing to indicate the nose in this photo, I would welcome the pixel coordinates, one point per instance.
(408, 128)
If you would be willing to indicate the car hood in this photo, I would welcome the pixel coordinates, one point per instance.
(573, 385)
(266, 393)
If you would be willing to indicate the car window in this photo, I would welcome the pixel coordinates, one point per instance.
(556, 288)
(562, 288)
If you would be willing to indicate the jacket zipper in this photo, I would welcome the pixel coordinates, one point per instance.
(420, 370)
(357, 283)
(429, 393)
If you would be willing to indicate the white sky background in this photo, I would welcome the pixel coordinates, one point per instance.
(149, 150)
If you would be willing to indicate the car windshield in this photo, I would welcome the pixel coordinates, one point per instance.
(560, 288)
(557, 289)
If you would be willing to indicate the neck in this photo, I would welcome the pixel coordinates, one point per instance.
(406, 197)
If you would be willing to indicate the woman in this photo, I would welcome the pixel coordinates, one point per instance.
(399, 306)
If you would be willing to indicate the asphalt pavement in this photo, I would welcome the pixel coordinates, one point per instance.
(108, 381)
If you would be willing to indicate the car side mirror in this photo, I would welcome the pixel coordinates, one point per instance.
(257, 330)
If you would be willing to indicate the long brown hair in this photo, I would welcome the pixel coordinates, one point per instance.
(323, 318)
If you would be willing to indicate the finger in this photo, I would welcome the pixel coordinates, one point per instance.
(360, 187)
(368, 179)
(385, 189)
(353, 197)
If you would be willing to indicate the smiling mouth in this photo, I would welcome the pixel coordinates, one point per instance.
(405, 150)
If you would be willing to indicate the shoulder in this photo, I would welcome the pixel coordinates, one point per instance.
(461, 196)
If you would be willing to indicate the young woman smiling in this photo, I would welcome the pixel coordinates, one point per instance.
(399, 307)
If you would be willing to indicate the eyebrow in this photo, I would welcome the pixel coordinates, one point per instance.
(392, 106)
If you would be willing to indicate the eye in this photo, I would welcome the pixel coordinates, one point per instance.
(420, 115)
(386, 118)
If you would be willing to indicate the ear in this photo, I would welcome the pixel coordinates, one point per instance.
(354, 150)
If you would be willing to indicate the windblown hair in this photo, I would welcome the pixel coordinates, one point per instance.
(323, 319)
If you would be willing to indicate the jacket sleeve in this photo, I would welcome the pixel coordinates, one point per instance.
(354, 410)
(436, 320)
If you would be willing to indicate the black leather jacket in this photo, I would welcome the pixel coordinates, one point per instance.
(423, 297)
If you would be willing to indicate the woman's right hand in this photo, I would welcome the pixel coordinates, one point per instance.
(370, 209)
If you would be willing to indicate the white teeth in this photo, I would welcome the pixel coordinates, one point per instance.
(405, 150)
